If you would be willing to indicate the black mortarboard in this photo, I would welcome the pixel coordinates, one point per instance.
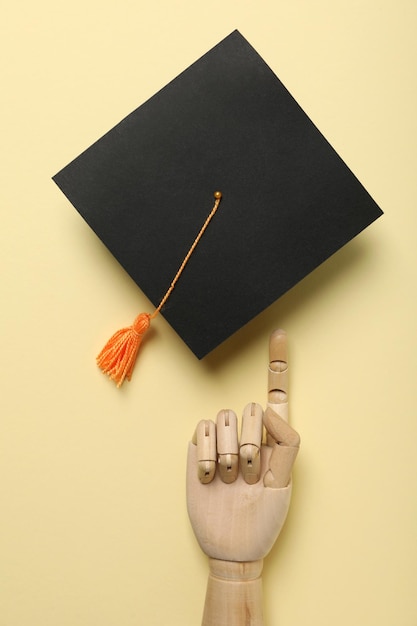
(226, 123)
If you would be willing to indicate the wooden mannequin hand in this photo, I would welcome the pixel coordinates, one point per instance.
(238, 494)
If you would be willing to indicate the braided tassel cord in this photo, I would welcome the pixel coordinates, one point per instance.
(117, 358)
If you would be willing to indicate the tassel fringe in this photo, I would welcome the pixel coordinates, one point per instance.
(118, 357)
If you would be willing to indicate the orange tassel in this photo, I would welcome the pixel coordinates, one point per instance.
(118, 357)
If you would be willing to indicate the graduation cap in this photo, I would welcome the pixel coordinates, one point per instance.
(288, 202)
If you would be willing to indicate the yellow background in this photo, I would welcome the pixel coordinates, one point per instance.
(93, 523)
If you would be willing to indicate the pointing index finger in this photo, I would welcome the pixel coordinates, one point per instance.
(278, 373)
(283, 439)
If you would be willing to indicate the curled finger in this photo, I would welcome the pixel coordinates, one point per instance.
(227, 445)
(250, 443)
(205, 440)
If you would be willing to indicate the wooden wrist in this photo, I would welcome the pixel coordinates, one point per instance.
(234, 594)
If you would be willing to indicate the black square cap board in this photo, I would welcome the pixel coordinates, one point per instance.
(288, 200)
